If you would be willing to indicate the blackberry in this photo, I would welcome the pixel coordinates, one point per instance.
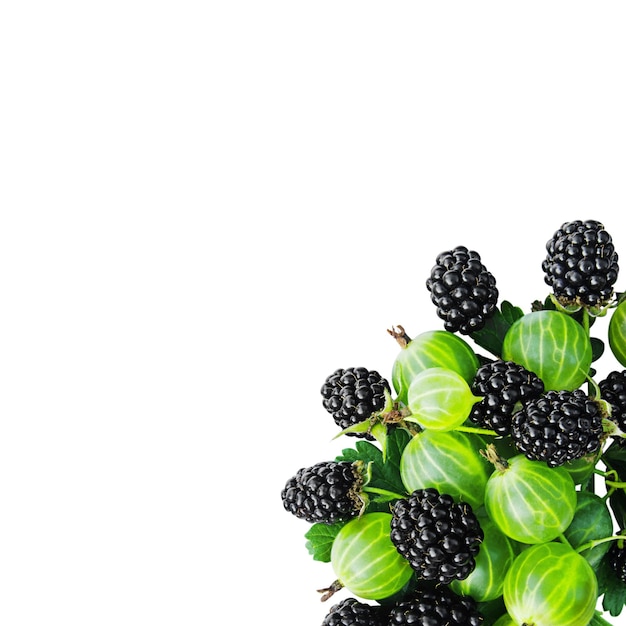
(581, 265)
(351, 612)
(558, 427)
(502, 385)
(462, 289)
(352, 395)
(438, 536)
(326, 492)
(613, 390)
(436, 607)
(616, 557)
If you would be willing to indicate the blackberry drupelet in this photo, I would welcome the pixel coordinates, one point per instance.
(462, 289)
(558, 427)
(352, 395)
(503, 386)
(613, 390)
(326, 492)
(438, 536)
(616, 557)
(581, 266)
(437, 607)
(351, 612)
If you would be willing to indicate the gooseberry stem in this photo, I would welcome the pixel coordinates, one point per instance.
(596, 542)
(477, 431)
(384, 492)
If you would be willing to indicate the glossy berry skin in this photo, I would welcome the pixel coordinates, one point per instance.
(503, 386)
(436, 607)
(613, 390)
(438, 536)
(558, 427)
(352, 395)
(463, 290)
(581, 264)
(351, 612)
(617, 560)
(327, 492)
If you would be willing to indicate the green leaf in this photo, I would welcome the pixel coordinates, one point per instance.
(612, 588)
(597, 348)
(510, 312)
(385, 472)
(492, 334)
(320, 540)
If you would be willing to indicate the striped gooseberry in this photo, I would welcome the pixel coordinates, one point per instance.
(433, 348)
(365, 560)
(529, 501)
(549, 584)
(440, 399)
(552, 345)
(497, 552)
(448, 461)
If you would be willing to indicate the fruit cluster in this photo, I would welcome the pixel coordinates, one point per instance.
(487, 482)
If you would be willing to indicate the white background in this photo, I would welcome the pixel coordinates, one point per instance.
(206, 208)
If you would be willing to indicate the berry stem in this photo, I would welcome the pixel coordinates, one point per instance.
(491, 454)
(477, 431)
(596, 542)
(399, 335)
(327, 592)
(384, 492)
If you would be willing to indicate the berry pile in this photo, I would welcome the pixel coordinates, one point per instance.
(487, 481)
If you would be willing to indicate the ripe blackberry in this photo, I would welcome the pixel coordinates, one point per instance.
(503, 386)
(616, 557)
(558, 427)
(437, 607)
(351, 612)
(613, 390)
(438, 536)
(326, 492)
(351, 396)
(581, 265)
(462, 289)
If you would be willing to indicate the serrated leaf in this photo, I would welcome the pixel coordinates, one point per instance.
(611, 588)
(320, 539)
(385, 472)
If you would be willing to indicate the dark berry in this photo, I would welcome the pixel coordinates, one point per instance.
(326, 492)
(462, 289)
(558, 427)
(613, 390)
(352, 395)
(436, 607)
(351, 612)
(581, 265)
(503, 386)
(438, 536)
(616, 557)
